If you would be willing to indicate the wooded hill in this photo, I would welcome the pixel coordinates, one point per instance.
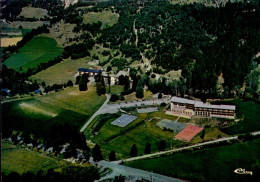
(204, 42)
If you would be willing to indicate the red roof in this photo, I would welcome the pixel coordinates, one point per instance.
(188, 133)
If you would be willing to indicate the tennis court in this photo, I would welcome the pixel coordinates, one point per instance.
(188, 133)
(124, 120)
(149, 109)
(170, 124)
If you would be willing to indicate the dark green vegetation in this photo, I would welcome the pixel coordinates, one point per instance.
(67, 174)
(39, 50)
(182, 37)
(213, 164)
(248, 111)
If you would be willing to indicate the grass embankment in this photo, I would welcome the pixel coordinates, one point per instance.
(212, 164)
(36, 117)
(106, 17)
(40, 49)
(249, 115)
(141, 131)
(61, 73)
(17, 159)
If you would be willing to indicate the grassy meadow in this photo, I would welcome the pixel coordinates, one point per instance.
(31, 12)
(17, 159)
(40, 49)
(212, 164)
(60, 73)
(106, 17)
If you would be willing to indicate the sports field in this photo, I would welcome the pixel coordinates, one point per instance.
(212, 164)
(83, 102)
(106, 17)
(40, 49)
(16, 159)
(188, 133)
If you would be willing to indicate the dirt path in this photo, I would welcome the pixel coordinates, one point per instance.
(145, 60)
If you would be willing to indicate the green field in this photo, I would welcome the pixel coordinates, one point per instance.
(249, 114)
(60, 73)
(115, 89)
(213, 164)
(139, 135)
(16, 159)
(84, 102)
(106, 17)
(40, 49)
(23, 31)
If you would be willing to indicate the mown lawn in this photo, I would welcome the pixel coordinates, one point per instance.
(212, 164)
(84, 102)
(40, 49)
(60, 73)
(106, 17)
(249, 114)
(115, 89)
(16, 159)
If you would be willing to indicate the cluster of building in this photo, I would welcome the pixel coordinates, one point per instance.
(114, 78)
(188, 108)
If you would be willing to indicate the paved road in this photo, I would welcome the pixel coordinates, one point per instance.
(134, 173)
(180, 149)
(99, 111)
(113, 108)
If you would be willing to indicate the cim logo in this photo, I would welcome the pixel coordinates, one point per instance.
(243, 171)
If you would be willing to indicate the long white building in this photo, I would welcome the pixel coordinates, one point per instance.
(188, 108)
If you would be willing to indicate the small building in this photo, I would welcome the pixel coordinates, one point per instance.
(188, 108)
(89, 72)
(37, 91)
(5, 91)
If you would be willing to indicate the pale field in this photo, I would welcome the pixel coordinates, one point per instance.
(25, 24)
(106, 17)
(31, 12)
(5, 42)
